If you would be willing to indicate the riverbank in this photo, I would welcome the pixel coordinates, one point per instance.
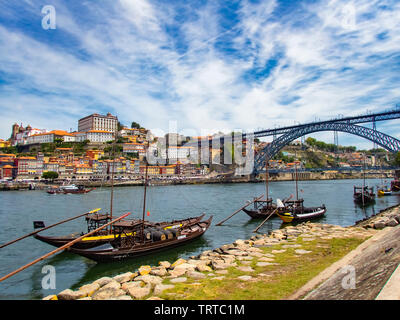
(214, 179)
(277, 265)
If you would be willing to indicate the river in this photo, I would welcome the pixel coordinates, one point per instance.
(19, 208)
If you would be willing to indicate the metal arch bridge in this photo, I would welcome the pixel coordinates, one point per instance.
(347, 125)
(290, 133)
(381, 139)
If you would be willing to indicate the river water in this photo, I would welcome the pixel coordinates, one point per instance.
(19, 208)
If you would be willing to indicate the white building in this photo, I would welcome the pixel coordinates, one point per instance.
(49, 137)
(22, 137)
(95, 136)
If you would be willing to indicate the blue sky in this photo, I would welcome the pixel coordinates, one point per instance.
(205, 66)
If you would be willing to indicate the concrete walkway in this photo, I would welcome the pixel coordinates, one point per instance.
(368, 272)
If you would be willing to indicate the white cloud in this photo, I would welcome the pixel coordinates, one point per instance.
(132, 66)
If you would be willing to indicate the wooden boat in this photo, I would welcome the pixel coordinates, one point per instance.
(262, 208)
(129, 227)
(395, 183)
(364, 195)
(149, 241)
(295, 211)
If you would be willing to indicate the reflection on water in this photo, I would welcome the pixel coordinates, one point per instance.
(19, 209)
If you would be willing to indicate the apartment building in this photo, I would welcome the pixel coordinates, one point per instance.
(98, 122)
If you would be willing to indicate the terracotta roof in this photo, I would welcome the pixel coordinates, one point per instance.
(99, 131)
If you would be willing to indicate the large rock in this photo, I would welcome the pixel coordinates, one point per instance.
(392, 223)
(89, 289)
(379, 225)
(69, 294)
(103, 281)
(185, 266)
(165, 264)
(144, 270)
(139, 293)
(159, 271)
(131, 284)
(178, 262)
(107, 294)
(203, 268)
(176, 273)
(149, 279)
(125, 277)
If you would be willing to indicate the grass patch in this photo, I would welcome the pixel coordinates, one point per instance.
(271, 282)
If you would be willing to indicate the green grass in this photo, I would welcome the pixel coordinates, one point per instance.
(283, 280)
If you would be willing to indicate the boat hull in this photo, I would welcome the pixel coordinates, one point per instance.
(309, 214)
(103, 238)
(112, 254)
(259, 214)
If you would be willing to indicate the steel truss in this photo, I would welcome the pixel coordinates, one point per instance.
(385, 141)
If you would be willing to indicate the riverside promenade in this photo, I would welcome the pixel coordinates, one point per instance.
(307, 261)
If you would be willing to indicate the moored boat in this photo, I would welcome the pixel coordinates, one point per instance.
(384, 191)
(364, 195)
(145, 242)
(129, 227)
(262, 209)
(296, 212)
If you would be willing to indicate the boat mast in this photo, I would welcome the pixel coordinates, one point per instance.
(144, 198)
(297, 189)
(112, 183)
(363, 189)
(266, 177)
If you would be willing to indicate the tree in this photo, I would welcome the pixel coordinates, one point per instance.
(135, 125)
(50, 175)
(397, 159)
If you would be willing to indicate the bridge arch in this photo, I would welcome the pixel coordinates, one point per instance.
(385, 141)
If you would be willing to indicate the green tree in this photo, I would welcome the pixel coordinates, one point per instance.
(50, 175)
(135, 125)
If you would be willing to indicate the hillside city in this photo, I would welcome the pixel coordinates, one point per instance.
(102, 147)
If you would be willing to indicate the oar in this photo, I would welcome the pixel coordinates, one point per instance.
(45, 228)
(262, 223)
(65, 246)
(219, 223)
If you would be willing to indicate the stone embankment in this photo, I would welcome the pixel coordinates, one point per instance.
(243, 256)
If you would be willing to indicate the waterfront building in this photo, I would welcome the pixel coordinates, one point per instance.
(7, 172)
(27, 166)
(99, 122)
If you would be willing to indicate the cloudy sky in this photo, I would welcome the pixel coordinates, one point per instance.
(199, 66)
